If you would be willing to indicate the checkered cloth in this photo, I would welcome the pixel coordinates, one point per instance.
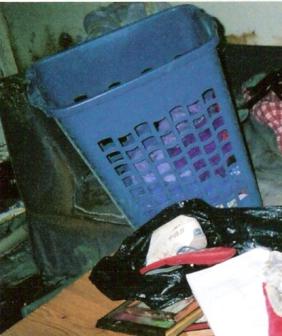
(268, 111)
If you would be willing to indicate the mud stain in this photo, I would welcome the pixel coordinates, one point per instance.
(277, 40)
(245, 38)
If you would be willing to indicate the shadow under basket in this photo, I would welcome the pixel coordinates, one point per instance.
(148, 109)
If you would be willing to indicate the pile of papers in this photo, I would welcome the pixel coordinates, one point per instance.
(231, 294)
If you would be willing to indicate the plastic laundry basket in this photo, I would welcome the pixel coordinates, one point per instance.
(148, 108)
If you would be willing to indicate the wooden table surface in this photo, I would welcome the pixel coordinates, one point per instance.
(74, 311)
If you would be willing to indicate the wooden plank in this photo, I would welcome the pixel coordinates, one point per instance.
(73, 312)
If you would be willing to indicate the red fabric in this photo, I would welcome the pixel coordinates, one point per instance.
(274, 320)
(268, 111)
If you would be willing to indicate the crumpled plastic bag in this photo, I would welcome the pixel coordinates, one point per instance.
(116, 15)
(118, 276)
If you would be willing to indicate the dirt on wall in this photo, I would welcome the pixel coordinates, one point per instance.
(245, 38)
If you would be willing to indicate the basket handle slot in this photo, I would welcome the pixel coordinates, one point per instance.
(80, 98)
(114, 85)
(177, 56)
(146, 70)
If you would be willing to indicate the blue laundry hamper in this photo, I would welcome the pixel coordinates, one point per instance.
(148, 108)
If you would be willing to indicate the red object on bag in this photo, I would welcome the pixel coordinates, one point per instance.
(208, 256)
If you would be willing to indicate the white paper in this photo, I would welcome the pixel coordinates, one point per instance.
(179, 235)
(231, 296)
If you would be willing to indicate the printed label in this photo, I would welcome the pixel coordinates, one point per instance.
(180, 235)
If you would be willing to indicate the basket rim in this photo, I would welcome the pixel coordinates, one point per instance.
(35, 94)
(155, 74)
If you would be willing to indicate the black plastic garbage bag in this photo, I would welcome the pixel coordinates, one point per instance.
(118, 276)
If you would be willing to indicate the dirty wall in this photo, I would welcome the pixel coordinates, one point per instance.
(40, 29)
(30, 31)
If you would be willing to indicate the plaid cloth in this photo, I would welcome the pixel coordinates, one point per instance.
(268, 111)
